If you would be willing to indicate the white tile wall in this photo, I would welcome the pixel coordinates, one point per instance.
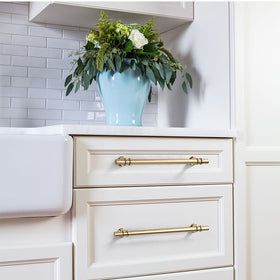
(5, 38)
(5, 59)
(28, 61)
(33, 64)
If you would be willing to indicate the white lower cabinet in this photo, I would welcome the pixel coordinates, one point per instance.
(48, 262)
(99, 213)
(152, 208)
(212, 274)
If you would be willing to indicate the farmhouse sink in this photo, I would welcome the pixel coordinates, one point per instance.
(35, 175)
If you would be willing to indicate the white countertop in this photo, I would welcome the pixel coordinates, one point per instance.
(120, 131)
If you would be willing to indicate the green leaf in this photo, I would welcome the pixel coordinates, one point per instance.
(77, 86)
(158, 78)
(100, 56)
(86, 80)
(133, 65)
(164, 59)
(184, 87)
(89, 46)
(87, 64)
(92, 69)
(149, 48)
(150, 95)
(161, 83)
(189, 79)
(91, 80)
(150, 75)
(145, 62)
(80, 63)
(142, 69)
(68, 80)
(124, 67)
(111, 65)
(160, 69)
(128, 46)
(173, 78)
(77, 71)
(118, 63)
(168, 73)
(168, 54)
(69, 89)
(156, 72)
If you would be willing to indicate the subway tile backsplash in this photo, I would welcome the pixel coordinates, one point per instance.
(34, 61)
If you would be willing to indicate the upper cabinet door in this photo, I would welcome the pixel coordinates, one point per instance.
(168, 15)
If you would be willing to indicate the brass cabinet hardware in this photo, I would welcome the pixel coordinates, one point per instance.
(123, 161)
(193, 228)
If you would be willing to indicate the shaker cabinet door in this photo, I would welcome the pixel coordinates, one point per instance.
(48, 262)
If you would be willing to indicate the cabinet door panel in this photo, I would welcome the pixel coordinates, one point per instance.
(50, 262)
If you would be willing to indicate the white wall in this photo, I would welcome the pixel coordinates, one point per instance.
(33, 63)
(204, 46)
(257, 151)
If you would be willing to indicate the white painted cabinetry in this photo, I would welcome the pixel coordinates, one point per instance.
(213, 274)
(112, 200)
(258, 143)
(48, 262)
(95, 158)
(206, 47)
(98, 213)
(165, 212)
(35, 182)
(168, 15)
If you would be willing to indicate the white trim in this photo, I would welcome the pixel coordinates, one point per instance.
(232, 66)
(240, 193)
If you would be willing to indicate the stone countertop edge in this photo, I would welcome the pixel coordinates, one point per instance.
(102, 130)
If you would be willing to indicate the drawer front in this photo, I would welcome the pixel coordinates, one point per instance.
(212, 274)
(95, 161)
(98, 213)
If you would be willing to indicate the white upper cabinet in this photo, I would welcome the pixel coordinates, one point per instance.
(168, 15)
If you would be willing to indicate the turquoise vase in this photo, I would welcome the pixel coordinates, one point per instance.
(124, 96)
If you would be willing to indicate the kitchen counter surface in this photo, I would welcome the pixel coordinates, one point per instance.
(120, 131)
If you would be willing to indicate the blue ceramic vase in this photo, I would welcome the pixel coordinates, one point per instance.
(124, 96)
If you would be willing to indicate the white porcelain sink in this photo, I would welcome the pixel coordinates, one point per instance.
(35, 175)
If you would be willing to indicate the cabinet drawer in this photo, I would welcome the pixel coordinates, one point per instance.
(211, 274)
(95, 161)
(98, 213)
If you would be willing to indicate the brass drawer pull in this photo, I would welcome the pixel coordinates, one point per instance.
(193, 228)
(123, 161)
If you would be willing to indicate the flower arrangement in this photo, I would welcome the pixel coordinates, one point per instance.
(115, 46)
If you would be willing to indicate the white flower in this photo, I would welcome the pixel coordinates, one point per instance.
(138, 39)
(96, 44)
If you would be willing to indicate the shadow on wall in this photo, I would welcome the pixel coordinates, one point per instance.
(178, 105)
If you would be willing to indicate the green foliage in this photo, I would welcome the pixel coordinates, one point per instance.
(111, 46)
(148, 31)
(101, 56)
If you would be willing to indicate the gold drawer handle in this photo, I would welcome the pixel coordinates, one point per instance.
(193, 228)
(123, 161)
